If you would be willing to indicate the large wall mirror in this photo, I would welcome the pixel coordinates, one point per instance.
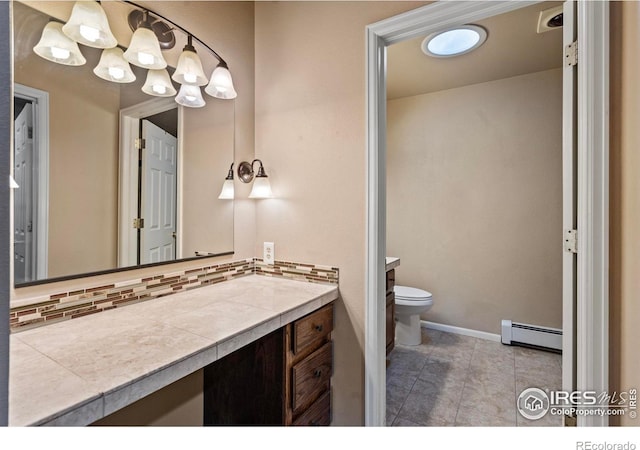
(81, 181)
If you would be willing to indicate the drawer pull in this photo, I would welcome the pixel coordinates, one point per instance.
(319, 328)
(317, 373)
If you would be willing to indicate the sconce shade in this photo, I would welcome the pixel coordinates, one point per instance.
(144, 50)
(113, 67)
(189, 69)
(221, 83)
(190, 96)
(158, 84)
(227, 192)
(261, 188)
(88, 25)
(55, 46)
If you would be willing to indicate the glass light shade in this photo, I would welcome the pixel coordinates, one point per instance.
(190, 96)
(88, 25)
(221, 84)
(113, 67)
(261, 188)
(144, 50)
(159, 84)
(189, 69)
(55, 46)
(227, 192)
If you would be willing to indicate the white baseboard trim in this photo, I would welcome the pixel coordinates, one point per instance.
(459, 330)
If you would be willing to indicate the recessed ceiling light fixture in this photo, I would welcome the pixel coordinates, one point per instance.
(454, 41)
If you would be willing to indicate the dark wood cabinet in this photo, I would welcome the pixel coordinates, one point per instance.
(390, 311)
(283, 378)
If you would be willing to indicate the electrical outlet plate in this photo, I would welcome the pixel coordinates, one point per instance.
(269, 253)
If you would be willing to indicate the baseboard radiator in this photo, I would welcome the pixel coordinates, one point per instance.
(514, 333)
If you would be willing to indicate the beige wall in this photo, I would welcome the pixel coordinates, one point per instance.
(624, 301)
(474, 200)
(310, 134)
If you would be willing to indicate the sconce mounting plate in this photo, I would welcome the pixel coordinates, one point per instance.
(163, 32)
(245, 172)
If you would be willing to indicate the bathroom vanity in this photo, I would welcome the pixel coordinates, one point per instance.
(390, 265)
(263, 339)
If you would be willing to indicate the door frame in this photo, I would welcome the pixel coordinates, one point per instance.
(128, 176)
(593, 186)
(40, 102)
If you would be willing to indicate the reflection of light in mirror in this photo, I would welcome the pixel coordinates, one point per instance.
(55, 46)
(89, 33)
(145, 58)
(116, 72)
(60, 53)
(190, 96)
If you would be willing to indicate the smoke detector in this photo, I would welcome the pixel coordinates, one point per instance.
(550, 19)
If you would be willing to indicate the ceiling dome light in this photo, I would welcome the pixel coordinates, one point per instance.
(113, 67)
(88, 25)
(454, 42)
(55, 46)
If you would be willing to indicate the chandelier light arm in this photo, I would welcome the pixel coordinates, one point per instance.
(188, 33)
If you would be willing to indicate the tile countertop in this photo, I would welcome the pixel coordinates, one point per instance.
(78, 371)
(391, 263)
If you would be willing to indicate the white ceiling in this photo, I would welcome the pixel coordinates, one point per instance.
(513, 47)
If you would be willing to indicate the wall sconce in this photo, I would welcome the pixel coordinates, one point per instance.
(227, 192)
(261, 186)
(152, 33)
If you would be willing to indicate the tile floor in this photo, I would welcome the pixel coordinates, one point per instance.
(455, 380)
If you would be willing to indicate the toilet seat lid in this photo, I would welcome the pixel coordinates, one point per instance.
(411, 293)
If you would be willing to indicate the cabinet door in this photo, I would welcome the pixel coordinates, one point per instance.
(390, 321)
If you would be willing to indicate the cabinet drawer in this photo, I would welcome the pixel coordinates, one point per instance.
(312, 327)
(311, 377)
(318, 414)
(391, 280)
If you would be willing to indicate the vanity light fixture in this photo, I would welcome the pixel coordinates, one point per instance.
(261, 186)
(190, 96)
(221, 84)
(152, 33)
(144, 49)
(88, 25)
(228, 191)
(113, 67)
(189, 69)
(55, 46)
(454, 41)
(159, 84)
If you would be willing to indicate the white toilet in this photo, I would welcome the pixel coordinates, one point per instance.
(410, 303)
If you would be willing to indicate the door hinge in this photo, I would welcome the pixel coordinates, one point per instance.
(571, 54)
(571, 241)
(138, 223)
(140, 143)
(570, 421)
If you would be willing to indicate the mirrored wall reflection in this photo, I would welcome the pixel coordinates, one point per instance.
(68, 210)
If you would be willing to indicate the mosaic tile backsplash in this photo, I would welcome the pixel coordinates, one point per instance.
(70, 305)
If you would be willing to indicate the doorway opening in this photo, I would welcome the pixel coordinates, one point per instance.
(591, 279)
(31, 174)
(150, 174)
(475, 142)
